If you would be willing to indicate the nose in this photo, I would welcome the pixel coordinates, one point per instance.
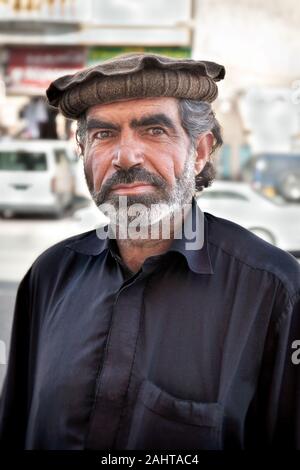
(127, 155)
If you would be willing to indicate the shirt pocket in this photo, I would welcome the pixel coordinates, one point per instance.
(161, 421)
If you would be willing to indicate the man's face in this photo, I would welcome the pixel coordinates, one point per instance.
(138, 149)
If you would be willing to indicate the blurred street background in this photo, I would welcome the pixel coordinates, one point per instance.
(43, 194)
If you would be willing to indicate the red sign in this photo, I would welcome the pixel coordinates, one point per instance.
(30, 70)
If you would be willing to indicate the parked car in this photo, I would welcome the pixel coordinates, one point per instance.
(276, 222)
(35, 176)
(275, 174)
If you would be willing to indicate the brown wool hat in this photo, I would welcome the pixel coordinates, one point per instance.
(130, 76)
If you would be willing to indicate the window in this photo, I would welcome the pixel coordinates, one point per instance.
(22, 161)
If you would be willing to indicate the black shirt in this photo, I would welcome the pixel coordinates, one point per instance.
(191, 352)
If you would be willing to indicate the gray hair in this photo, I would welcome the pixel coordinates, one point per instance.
(197, 117)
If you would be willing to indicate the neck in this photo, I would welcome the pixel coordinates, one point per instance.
(135, 251)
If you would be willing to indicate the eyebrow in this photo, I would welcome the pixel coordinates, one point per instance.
(150, 120)
(99, 124)
(153, 120)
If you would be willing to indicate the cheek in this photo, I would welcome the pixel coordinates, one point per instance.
(170, 165)
(97, 168)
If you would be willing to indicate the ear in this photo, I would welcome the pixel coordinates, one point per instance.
(203, 150)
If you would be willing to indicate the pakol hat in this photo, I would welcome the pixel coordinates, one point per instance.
(131, 76)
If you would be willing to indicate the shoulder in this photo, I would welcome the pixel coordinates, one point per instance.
(60, 254)
(248, 249)
(60, 247)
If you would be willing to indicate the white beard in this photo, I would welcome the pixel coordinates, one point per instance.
(157, 220)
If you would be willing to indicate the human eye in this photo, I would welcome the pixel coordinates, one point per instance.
(156, 131)
(103, 134)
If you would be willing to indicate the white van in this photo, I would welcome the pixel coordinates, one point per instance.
(35, 176)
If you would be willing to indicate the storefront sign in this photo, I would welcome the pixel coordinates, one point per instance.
(30, 70)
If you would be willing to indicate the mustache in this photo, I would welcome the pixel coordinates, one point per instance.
(131, 176)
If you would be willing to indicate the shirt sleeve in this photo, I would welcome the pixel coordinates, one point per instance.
(274, 417)
(14, 397)
(287, 414)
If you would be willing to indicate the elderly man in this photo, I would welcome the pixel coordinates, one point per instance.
(138, 341)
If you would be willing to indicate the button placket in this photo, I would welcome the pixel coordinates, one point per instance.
(114, 377)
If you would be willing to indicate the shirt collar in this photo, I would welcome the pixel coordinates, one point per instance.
(194, 248)
(89, 244)
(198, 258)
